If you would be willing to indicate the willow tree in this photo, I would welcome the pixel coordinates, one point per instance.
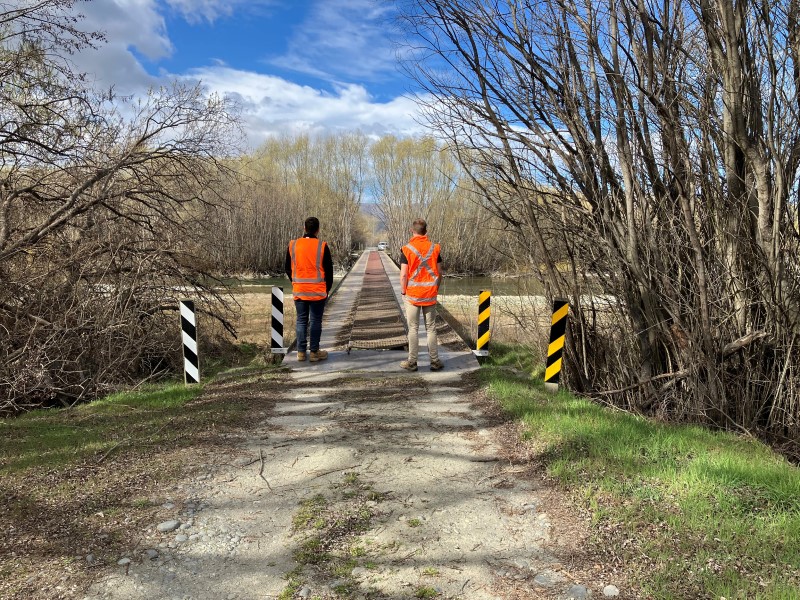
(286, 180)
(410, 177)
(420, 178)
(655, 145)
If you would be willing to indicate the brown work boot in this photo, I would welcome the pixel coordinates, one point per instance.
(318, 355)
(408, 365)
(437, 365)
(301, 356)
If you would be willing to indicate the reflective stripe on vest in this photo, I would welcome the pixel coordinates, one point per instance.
(308, 276)
(414, 299)
(423, 283)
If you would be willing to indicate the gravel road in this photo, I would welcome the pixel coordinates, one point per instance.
(361, 485)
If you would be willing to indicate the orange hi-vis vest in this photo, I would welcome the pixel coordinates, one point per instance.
(308, 276)
(423, 270)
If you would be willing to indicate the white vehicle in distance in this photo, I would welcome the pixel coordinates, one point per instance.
(383, 245)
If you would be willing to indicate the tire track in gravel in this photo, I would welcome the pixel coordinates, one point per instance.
(358, 485)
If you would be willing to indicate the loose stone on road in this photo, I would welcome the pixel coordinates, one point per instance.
(358, 484)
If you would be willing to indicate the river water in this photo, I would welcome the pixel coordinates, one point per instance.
(451, 286)
(499, 286)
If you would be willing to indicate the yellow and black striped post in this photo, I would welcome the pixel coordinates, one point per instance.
(484, 312)
(555, 350)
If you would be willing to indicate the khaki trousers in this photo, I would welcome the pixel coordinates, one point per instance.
(412, 316)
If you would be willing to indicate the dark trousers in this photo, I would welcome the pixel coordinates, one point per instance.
(309, 317)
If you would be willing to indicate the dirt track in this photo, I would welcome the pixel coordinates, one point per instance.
(357, 485)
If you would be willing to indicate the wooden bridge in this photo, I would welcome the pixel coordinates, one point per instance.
(364, 326)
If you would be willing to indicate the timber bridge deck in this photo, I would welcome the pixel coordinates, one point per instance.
(364, 325)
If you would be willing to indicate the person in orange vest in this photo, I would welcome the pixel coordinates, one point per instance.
(420, 273)
(310, 267)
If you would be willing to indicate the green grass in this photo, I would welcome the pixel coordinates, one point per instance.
(139, 419)
(358, 551)
(311, 552)
(517, 356)
(51, 438)
(716, 514)
(295, 582)
(310, 513)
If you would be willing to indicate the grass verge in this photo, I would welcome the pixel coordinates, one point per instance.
(80, 481)
(692, 513)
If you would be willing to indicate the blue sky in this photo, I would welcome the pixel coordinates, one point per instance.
(292, 65)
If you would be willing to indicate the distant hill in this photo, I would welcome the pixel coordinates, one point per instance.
(373, 212)
(372, 209)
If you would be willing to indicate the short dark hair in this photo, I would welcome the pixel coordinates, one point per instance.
(312, 225)
(420, 227)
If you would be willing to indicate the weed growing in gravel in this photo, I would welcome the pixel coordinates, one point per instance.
(430, 571)
(391, 546)
(344, 589)
(312, 552)
(425, 592)
(343, 568)
(310, 511)
(295, 583)
(329, 527)
(358, 551)
(414, 522)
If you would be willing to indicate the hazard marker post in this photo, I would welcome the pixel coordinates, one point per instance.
(191, 361)
(276, 333)
(555, 349)
(484, 314)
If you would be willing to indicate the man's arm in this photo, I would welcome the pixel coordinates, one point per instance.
(287, 265)
(403, 278)
(327, 266)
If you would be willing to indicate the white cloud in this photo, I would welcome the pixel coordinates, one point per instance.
(271, 105)
(211, 10)
(128, 24)
(343, 39)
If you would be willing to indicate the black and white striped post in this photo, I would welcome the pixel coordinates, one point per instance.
(555, 349)
(276, 341)
(484, 331)
(191, 362)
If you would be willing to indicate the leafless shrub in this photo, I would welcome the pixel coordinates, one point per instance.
(648, 152)
(101, 201)
(420, 178)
